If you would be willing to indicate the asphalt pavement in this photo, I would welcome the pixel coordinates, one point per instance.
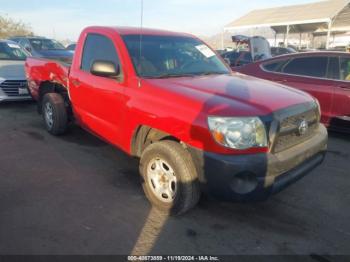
(75, 194)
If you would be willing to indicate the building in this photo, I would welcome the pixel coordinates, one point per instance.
(322, 23)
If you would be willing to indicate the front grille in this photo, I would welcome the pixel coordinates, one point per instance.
(289, 135)
(11, 87)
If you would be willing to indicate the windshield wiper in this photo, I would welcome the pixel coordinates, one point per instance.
(169, 76)
(213, 73)
(186, 75)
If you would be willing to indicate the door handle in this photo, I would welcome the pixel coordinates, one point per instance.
(76, 82)
(280, 80)
(344, 86)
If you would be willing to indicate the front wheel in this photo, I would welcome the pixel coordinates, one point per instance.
(54, 113)
(169, 177)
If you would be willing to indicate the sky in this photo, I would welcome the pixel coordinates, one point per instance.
(64, 19)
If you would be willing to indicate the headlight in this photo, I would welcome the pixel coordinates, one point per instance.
(238, 132)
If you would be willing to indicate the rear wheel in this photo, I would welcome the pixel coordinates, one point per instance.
(54, 113)
(169, 177)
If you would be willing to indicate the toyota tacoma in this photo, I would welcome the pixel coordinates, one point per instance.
(170, 100)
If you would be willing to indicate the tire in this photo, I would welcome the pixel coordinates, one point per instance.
(58, 122)
(176, 162)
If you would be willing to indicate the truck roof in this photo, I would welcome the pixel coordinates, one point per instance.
(123, 30)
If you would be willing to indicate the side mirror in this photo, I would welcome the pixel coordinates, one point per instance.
(105, 69)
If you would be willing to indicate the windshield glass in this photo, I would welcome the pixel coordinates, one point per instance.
(172, 56)
(11, 51)
(45, 44)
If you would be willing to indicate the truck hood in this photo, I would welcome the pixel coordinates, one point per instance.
(12, 70)
(234, 94)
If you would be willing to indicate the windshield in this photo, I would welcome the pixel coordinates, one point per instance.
(45, 44)
(11, 51)
(172, 56)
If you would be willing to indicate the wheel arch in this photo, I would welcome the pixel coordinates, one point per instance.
(144, 136)
(50, 87)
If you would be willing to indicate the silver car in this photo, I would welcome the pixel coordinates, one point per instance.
(13, 84)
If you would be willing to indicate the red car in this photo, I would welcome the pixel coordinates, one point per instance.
(193, 123)
(325, 75)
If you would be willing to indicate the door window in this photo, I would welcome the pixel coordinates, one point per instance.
(25, 43)
(307, 66)
(98, 47)
(333, 68)
(274, 66)
(345, 68)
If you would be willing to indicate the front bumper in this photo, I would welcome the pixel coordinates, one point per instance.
(4, 97)
(17, 98)
(257, 176)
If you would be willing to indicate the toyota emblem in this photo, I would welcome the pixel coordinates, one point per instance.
(303, 127)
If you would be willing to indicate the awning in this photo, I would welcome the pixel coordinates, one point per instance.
(299, 18)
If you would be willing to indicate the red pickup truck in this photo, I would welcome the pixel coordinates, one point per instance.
(170, 100)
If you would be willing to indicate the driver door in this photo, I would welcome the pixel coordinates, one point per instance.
(98, 101)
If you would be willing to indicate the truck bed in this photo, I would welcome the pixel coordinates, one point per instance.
(40, 70)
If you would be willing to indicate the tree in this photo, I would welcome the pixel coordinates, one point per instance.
(10, 27)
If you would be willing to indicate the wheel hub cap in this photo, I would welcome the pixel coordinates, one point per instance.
(162, 180)
(49, 114)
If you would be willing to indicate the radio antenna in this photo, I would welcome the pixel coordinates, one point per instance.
(140, 51)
